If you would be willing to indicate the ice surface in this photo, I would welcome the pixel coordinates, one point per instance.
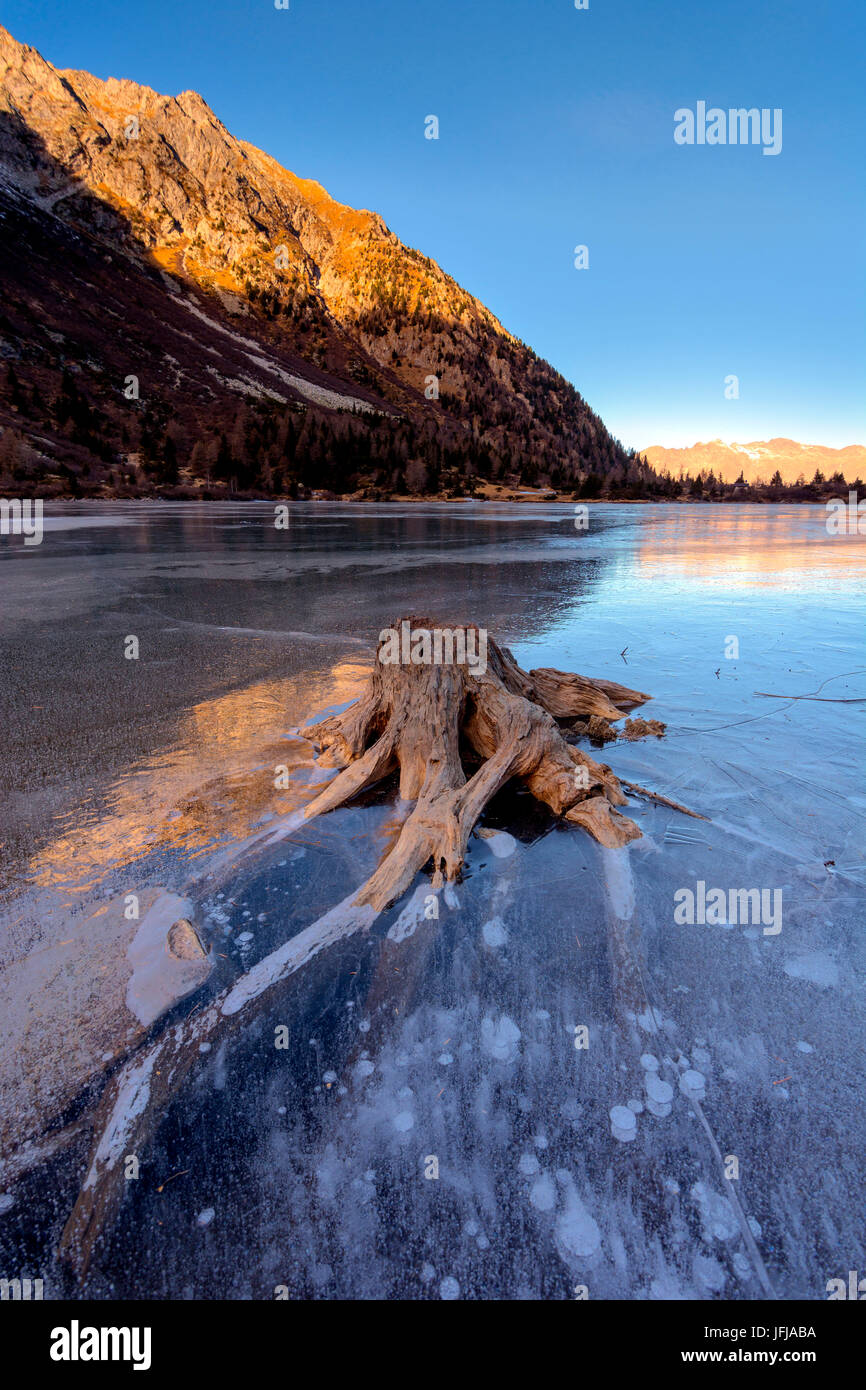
(158, 979)
(461, 1145)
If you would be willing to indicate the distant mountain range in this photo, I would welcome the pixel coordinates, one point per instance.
(760, 460)
(177, 311)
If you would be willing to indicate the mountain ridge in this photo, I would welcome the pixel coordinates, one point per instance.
(305, 306)
(759, 460)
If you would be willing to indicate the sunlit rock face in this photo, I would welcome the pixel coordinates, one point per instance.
(760, 460)
(270, 289)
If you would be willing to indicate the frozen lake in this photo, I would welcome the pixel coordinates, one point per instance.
(308, 1170)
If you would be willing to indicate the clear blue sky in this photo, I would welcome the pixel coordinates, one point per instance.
(556, 128)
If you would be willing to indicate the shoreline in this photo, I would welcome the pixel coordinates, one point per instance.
(317, 495)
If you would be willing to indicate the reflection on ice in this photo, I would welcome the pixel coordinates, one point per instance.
(433, 1128)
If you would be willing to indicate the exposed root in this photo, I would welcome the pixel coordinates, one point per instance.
(425, 721)
(424, 717)
(136, 1097)
(662, 800)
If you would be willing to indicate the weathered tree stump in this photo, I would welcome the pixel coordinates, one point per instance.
(424, 718)
(456, 731)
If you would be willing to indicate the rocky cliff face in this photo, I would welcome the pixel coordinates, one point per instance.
(142, 240)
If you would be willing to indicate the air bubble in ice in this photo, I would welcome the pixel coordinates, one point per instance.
(659, 1095)
(542, 1194)
(693, 1085)
(709, 1272)
(623, 1123)
(500, 1039)
(576, 1232)
(494, 933)
(658, 1090)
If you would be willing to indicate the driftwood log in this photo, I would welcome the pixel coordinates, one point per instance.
(456, 733)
